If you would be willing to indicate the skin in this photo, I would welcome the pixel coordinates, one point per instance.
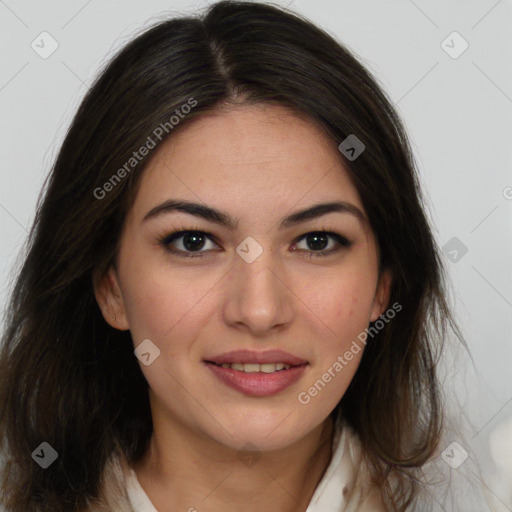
(258, 164)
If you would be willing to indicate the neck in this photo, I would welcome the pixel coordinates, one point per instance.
(188, 472)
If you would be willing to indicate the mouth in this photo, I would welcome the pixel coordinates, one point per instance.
(257, 373)
(251, 357)
(254, 367)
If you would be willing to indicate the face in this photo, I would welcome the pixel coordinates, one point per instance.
(251, 307)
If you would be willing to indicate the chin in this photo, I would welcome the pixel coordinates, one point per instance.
(274, 432)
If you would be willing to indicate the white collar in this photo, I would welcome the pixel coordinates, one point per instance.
(328, 495)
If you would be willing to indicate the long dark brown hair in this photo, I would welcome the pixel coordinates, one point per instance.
(69, 379)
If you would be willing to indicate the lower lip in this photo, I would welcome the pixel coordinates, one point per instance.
(258, 383)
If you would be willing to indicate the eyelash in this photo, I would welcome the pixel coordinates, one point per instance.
(166, 241)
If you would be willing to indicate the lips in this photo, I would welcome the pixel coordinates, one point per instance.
(252, 357)
(257, 373)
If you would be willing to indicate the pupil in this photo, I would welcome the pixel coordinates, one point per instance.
(317, 241)
(193, 241)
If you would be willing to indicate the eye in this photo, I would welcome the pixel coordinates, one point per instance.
(318, 244)
(185, 243)
(195, 243)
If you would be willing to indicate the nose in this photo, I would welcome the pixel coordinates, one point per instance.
(258, 296)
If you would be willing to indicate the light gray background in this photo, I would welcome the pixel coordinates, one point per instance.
(458, 113)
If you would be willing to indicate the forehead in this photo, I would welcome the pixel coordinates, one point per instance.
(257, 156)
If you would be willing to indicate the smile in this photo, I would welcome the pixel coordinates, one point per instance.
(254, 379)
(256, 368)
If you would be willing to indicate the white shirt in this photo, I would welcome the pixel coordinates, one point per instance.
(337, 491)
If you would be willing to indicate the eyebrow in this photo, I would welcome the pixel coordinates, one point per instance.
(223, 219)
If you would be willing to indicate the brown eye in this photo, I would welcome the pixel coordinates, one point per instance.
(186, 242)
(322, 243)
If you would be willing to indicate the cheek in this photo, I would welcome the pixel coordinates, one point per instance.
(340, 304)
(159, 302)
(345, 310)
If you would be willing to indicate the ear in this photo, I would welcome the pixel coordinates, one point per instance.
(382, 293)
(110, 300)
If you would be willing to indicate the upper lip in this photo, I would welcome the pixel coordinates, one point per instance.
(249, 356)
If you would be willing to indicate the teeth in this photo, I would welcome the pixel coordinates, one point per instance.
(268, 368)
(251, 368)
(255, 368)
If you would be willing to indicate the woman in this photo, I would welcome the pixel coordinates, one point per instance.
(232, 297)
